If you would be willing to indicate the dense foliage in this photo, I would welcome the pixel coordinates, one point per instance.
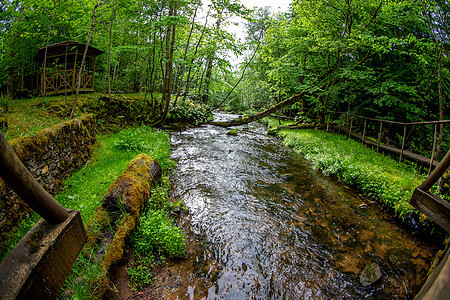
(384, 59)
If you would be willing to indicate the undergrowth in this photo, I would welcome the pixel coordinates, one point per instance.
(373, 174)
(156, 236)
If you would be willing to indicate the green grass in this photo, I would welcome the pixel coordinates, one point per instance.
(84, 190)
(373, 174)
(27, 116)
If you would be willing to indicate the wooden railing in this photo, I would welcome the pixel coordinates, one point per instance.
(65, 80)
(346, 123)
(437, 285)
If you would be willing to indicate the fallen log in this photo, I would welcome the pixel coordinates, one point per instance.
(255, 117)
(123, 202)
(132, 188)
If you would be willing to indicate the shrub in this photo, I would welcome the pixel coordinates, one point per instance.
(189, 112)
(157, 233)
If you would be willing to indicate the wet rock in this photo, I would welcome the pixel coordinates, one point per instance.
(362, 210)
(232, 132)
(320, 234)
(370, 275)
(362, 206)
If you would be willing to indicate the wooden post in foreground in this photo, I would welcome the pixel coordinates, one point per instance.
(38, 265)
(26, 187)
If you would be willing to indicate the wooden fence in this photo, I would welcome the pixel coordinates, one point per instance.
(349, 124)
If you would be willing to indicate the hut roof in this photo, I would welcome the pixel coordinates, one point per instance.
(69, 48)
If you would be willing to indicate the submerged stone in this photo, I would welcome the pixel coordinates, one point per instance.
(370, 275)
(232, 132)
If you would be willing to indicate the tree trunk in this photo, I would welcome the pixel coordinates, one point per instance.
(441, 108)
(109, 50)
(208, 74)
(170, 47)
(183, 65)
(209, 68)
(46, 44)
(72, 113)
(188, 79)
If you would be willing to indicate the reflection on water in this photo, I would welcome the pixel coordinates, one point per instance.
(265, 225)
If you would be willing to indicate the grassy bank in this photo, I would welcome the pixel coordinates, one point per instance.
(373, 174)
(84, 190)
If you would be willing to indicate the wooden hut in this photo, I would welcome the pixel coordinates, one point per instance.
(59, 74)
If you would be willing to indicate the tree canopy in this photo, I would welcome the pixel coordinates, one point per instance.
(377, 58)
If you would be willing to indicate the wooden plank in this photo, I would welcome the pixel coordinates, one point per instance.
(433, 207)
(364, 132)
(379, 136)
(437, 286)
(434, 148)
(39, 264)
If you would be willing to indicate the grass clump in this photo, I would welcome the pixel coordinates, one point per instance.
(375, 175)
(156, 232)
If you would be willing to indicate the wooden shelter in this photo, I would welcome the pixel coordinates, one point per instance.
(59, 74)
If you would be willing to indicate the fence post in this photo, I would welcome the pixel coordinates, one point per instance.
(379, 136)
(434, 148)
(346, 122)
(403, 142)
(364, 131)
(350, 130)
(328, 121)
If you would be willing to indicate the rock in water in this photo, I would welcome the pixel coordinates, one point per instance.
(370, 275)
(232, 132)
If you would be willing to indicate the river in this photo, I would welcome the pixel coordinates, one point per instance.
(264, 224)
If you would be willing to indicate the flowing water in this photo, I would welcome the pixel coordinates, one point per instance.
(265, 225)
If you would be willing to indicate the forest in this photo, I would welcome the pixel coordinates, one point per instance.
(380, 59)
(168, 64)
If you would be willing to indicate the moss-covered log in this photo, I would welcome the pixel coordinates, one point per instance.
(132, 188)
(123, 202)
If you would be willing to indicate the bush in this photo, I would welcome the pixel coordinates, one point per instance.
(157, 233)
(189, 112)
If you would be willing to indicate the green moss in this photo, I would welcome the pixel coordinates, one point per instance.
(117, 247)
(233, 132)
(96, 225)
